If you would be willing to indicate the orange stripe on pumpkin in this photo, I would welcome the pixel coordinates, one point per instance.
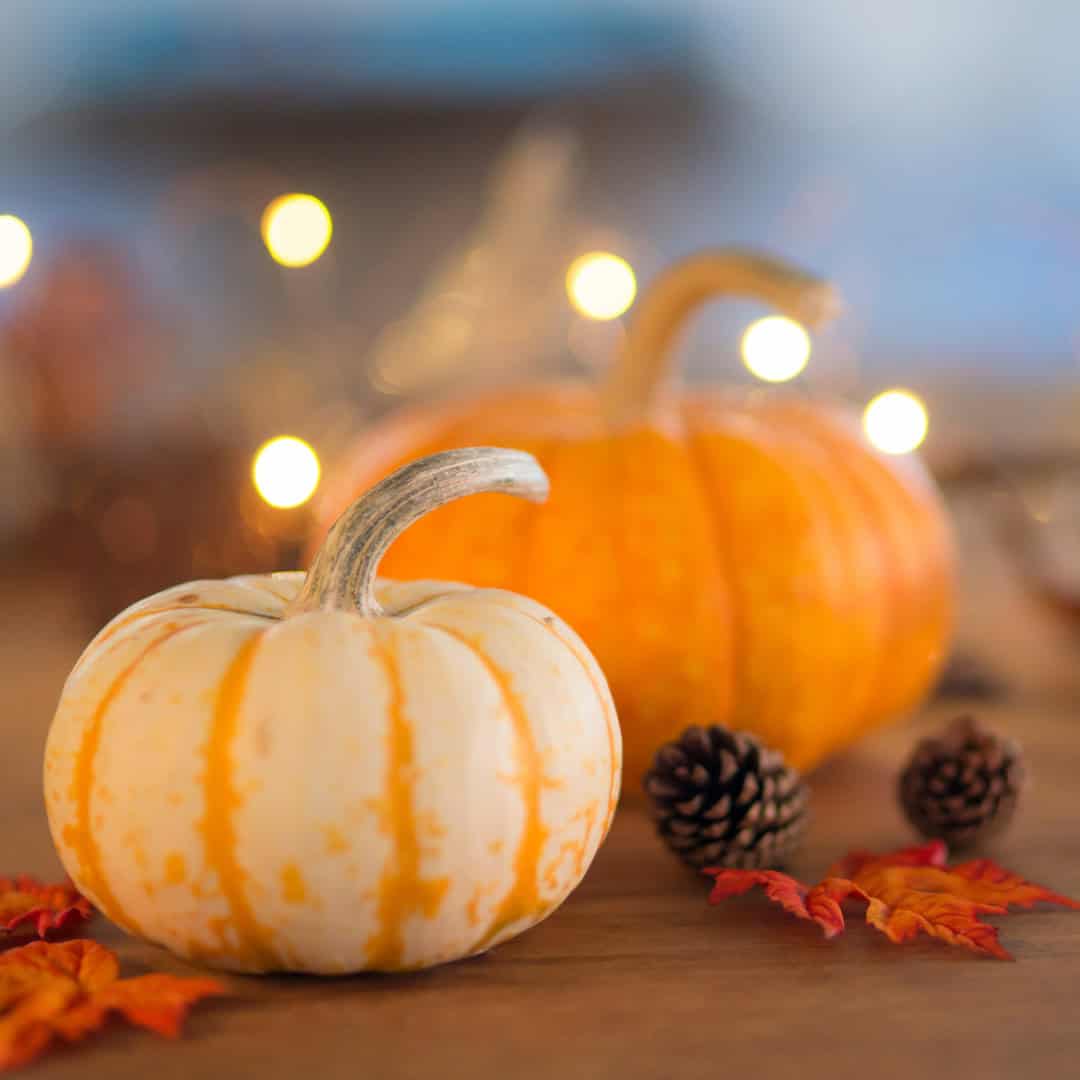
(222, 800)
(611, 720)
(402, 891)
(174, 609)
(80, 835)
(523, 899)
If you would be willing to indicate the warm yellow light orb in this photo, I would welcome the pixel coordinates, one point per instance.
(296, 229)
(775, 348)
(16, 249)
(896, 422)
(285, 471)
(601, 285)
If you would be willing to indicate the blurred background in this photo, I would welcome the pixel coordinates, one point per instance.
(226, 223)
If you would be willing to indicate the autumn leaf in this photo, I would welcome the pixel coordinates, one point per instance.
(68, 989)
(26, 903)
(790, 894)
(906, 893)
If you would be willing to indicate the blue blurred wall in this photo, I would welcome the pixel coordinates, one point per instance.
(926, 154)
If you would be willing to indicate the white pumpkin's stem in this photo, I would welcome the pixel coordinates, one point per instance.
(645, 359)
(343, 574)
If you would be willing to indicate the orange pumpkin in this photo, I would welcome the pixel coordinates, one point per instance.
(745, 560)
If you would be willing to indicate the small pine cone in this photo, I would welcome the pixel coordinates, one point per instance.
(723, 799)
(963, 786)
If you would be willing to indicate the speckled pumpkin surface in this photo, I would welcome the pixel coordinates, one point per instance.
(262, 787)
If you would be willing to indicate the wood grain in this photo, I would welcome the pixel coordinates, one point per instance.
(635, 977)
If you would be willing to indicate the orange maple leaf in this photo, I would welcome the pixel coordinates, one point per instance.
(907, 892)
(26, 902)
(68, 989)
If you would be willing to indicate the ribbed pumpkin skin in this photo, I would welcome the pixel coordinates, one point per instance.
(326, 792)
(749, 562)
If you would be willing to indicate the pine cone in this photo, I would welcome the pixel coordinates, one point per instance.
(723, 799)
(963, 786)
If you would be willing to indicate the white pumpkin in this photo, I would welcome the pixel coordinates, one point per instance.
(317, 773)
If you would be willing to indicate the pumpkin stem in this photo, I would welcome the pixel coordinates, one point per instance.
(342, 576)
(644, 361)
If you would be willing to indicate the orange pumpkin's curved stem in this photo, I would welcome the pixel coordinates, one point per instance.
(644, 362)
(342, 575)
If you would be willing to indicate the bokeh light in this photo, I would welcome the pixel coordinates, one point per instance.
(296, 229)
(896, 422)
(285, 471)
(601, 285)
(775, 348)
(16, 249)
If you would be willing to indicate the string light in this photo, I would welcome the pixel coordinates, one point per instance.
(775, 348)
(16, 249)
(285, 471)
(896, 422)
(296, 229)
(601, 285)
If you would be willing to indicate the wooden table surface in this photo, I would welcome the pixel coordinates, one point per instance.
(635, 976)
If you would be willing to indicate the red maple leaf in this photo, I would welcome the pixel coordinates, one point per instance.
(26, 903)
(907, 892)
(68, 989)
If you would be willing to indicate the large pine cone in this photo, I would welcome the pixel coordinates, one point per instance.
(723, 799)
